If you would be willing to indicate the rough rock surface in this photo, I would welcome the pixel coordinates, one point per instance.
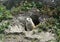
(20, 24)
(28, 36)
(20, 32)
(16, 26)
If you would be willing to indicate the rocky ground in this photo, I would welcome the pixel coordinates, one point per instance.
(29, 36)
(22, 30)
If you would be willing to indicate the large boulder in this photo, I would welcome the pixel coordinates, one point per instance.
(20, 24)
(15, 27)
(42, 36)
(28, 36)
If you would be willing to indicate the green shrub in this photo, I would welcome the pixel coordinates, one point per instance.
(16, 10)
(4, 25)
(26, 6)
(4, 14)
(39, 5)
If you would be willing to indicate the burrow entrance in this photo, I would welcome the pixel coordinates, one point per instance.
(35, 19)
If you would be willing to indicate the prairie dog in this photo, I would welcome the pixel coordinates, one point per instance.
(29, 24)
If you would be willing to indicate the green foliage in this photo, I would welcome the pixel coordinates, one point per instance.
(16, 10)
(3, 26)
(57, 31)
(2, 37)
(47, 24)
(4, 14)
(39, 5)
(26, 6)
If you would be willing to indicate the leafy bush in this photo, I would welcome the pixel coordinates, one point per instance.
(26, 6)
(4, 25)
(39, 5)
(16, 10)
(4, 14)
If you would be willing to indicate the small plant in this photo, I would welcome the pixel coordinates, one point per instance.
(3, 26)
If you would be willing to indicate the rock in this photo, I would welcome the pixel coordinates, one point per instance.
(42, 37)
(15, 29)
(19, 24)
(16, 25)
(23, 25)
(14, 38)
(29, 37)
(43, 18)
